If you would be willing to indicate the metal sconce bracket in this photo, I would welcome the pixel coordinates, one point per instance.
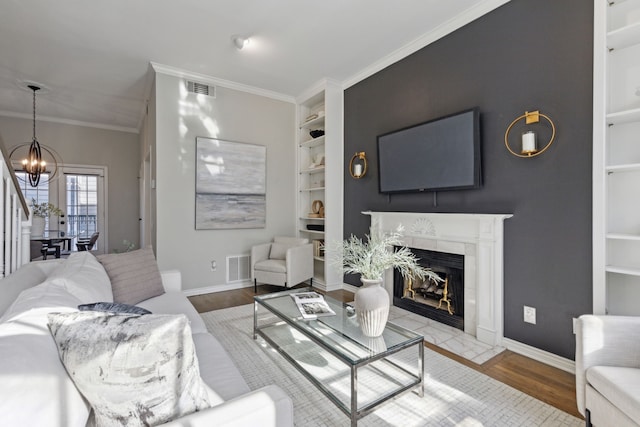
(530, 118)
(358, 170)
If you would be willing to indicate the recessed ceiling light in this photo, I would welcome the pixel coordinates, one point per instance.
(239, 41)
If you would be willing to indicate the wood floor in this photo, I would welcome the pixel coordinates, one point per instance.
(551, 385)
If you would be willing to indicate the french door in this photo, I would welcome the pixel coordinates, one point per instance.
(81, 194)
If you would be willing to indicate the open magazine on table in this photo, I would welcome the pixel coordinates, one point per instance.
(312, 305)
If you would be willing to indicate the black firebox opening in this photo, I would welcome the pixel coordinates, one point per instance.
(441, 301)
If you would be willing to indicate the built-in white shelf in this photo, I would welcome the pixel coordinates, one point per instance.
(625, 116)
(623, 236)
(616, 243)
(317, 122)
(315, 142)
(624, 37)
(623, 270)
(631, 167)
(325, 182)
(312, 171)
(319, 233)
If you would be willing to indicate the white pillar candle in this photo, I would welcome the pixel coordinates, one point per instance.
(529, 142)
(357, 169)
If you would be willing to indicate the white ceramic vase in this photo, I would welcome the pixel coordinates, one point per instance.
(37, 226)
(372, 307)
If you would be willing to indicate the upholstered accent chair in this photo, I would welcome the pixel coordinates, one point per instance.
(608, 370)
(286, 262)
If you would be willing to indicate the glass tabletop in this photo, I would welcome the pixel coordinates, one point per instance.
(340, 332)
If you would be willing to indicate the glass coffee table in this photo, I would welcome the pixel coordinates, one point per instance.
(355, 372)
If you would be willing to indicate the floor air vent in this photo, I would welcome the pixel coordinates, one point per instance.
(238, 268)
(201, 88)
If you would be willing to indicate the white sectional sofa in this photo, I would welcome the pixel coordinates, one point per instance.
(35, 387)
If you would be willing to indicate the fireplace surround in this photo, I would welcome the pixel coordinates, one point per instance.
(479, 238)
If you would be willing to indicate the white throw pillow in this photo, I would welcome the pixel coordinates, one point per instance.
(84, 277)
(140, 368)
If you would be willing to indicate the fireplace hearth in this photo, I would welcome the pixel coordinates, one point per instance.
(441, 301)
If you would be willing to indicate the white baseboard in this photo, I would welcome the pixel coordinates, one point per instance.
(217, 288)
(540, 355)
(233, 286)
(350, 288)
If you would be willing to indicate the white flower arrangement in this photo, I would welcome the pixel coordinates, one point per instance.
(45, 209)
(371, 258)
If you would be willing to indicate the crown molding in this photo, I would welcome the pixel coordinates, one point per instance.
(442, 30)
(69, 122)
(203, 78)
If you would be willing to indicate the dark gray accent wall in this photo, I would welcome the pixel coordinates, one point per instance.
(525, 55)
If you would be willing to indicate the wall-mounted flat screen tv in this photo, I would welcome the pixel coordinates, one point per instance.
(441, 154)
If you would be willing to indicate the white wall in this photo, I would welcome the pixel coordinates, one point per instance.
(81, 145)
(233, 115)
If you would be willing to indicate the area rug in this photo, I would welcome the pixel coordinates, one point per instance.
(454, 395)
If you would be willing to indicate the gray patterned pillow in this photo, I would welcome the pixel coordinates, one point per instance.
(134, 275)
(142, 369)
(114, 307)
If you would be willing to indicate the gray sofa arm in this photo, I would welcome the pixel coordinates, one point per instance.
(299, 263)
(605, 341)
(171, 280)
(267, 406)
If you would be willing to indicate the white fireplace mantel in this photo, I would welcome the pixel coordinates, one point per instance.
(479, 237)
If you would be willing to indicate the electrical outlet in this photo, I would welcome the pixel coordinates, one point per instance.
(529, 314)
(214, 265)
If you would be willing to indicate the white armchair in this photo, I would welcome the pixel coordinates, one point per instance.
(608, 370)
(286, 261)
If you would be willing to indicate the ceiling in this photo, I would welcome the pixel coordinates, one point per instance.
(94, 56)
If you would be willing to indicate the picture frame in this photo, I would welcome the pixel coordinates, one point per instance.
(230, 184)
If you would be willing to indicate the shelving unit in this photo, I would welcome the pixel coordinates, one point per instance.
(616, 158)
(319, 178)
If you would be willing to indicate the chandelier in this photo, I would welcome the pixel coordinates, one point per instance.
(34, 163)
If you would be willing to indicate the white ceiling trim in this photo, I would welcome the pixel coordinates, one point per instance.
(448, 27)
(69, 122)
(203, 78)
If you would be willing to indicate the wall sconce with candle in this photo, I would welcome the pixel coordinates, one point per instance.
(358, 165)
(529, 147)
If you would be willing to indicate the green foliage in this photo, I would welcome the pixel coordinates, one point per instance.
(45, 209)
(128, 247)
(372, 257)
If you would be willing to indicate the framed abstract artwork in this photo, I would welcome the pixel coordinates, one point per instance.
(230, 184)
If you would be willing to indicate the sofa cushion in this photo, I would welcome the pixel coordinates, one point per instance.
(49, 296)
(134, 275)
(27, 276)
(175, 303)
(272, 265)
(217, 368)
(620, 386)
(113, 307)
(36, 390)
(140, 368)
(83, 276)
